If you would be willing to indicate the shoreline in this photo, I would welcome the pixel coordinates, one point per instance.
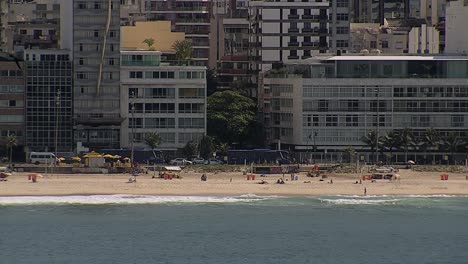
(233, 184)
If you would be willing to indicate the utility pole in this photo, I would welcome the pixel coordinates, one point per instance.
(376, 90)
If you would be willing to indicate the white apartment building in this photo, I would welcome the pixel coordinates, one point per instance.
(161, 97)
(456, 29)
(289, 30)
(333, 101)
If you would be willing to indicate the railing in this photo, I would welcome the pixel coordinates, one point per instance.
(98, 118)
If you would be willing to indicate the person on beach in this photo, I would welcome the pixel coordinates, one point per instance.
(365, 191)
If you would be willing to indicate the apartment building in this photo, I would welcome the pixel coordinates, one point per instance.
(333, 101)
(96, 88)
(49, 100)
(291, 30)
(11, 99)
(375, 11)
(456, 38)
(168, 98)
(190, 17)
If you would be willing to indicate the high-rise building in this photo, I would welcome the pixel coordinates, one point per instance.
(12, 101)
(456, 37)
(333, 101)
(190, 17)
(49, 95)
(96, 89)
(163, 97)
(375, 11)
(290, 30)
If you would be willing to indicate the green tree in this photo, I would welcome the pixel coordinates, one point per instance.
(190, 149)
(229, 116)
(452, 143)
(207, 147)
(153, 140)
(149, 42)
(222, 149)
(11, 142)
(211, 82)
(370, 139)
(406, 140)
(431, 141)
(184, 50)
(391, 141)
(350, 152)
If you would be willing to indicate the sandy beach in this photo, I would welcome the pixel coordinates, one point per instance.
(220, 184)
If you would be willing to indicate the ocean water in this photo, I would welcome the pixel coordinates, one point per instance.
(245, 229)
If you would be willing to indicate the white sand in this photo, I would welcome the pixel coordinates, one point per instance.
(417, 183)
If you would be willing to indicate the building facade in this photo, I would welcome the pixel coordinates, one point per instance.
(49, 100)
(456, 32)
(11, 100)
(96, 89)
(291, 30)
(333, 102)
(161, 97)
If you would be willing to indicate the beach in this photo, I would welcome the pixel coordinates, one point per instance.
(233, 183)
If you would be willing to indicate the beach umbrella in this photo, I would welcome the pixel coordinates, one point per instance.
(411, 162)
(76, 158)
(35, 174)
(61, 159)
(117, 157)
(126, 158)
(108, 156)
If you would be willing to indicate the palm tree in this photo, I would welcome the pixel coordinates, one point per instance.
(391, 141)
(11, 142)
(370, 139)
(431, 141)
(453, 143)
(406, 140)
(183, 49)
(149, 42)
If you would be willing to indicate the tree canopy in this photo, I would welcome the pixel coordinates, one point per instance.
(183, 49)
(153, 140)
(149, 42)
(231, 117)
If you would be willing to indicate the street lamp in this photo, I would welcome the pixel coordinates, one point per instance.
(376, 90)
(132, 103)
(57, 109)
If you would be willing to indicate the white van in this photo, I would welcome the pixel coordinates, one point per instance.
(42, 157)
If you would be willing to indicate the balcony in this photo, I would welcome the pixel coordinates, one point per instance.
(293, 30)
(307, 30)
(98, 119)
(233, 71)
(293, 16)
(293, 44)
(293, 57)
(310, 17)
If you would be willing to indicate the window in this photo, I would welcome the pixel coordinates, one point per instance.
(81, 5)
(111, 61)
(81, 61)
(342, 3)
(331, 120)
(373, 44)
(352, 121)
(112, 34)
(342, 17)
(342, 43)
(97, 5)
(342, 30)
(96, 33)
(384, 44)
(323, 106)
(136, 75)
(81, 47)
(458, 121)
(12, 103)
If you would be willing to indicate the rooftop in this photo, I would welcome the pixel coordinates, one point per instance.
(383, 57)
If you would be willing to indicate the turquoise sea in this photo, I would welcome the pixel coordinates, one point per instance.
(245, 229)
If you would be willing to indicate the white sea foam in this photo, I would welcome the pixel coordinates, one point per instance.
(360, 201)
(122, 199)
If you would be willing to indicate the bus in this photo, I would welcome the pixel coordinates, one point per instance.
(258, 156)
(142, 156)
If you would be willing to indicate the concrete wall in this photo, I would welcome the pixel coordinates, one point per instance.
(456, 30)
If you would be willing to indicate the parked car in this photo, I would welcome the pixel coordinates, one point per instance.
(198, 161)
(214, 161)
(180, 161)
